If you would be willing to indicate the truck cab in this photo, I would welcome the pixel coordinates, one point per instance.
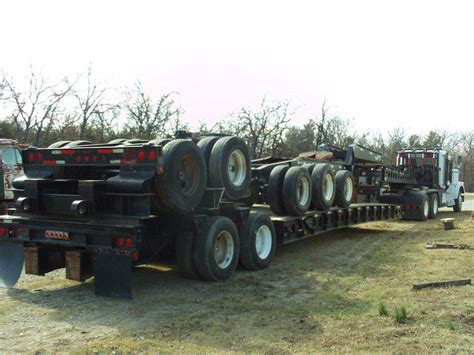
(11, 167)
(433, 169)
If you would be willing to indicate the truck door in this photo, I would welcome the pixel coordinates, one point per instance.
(11, 168)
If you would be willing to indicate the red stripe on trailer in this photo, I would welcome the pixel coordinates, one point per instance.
(49, 162)
(68, 151)
(105, 150)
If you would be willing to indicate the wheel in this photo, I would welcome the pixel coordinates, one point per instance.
(344, 188)
(229, 167)
(458, 203)
(185, 248)
(275, 189)
(160, 141)
(76, 144)
(181, 186)
(434, 204)
(117, 141)
(205, 145)
(297, 190)
(324, 191)
(309, 166)
(217, 249)
(59, 144)
(416, 206)
(257, 242)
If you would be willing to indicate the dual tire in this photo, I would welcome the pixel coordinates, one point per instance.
(214, 252)
(228, 165)
(292, 190)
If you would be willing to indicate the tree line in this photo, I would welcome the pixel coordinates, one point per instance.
(43, 111)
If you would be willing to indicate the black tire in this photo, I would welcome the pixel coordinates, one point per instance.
(256, 234)
(217, 230)
(185, 248)
(181, 186)
(59, 144)
(205, 145)
(344, 188)
(416, 206)
(322, 198)
(458, 203)
(297, 190)
(275, 189)
(309, 166)
(117, 141)
(230, 152)
(434, 204)
(76, 144)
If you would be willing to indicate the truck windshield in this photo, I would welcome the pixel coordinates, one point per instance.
(11, 156)
(416, 159)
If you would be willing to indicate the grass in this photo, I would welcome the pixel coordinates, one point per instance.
(400, 315)
(383, 310)
(319, 295)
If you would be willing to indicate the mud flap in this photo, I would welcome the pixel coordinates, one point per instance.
(12, 258)
(113, 275)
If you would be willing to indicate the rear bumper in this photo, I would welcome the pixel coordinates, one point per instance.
(72, 234)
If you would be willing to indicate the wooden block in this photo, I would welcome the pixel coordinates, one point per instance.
(448, 223)
(442, 284)
(78, 265)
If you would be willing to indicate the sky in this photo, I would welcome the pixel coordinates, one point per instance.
(382, 64)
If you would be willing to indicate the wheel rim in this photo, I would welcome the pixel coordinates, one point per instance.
(263, 242)
(237, 167)
(328, 187)
(435, 205)
(348, 187)
(188, 175)
(302, 191)
(426, 208)
(224, 249)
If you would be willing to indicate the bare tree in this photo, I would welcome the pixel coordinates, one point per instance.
(36, 108)
(263, 127)
(91, 103)
(147, 118)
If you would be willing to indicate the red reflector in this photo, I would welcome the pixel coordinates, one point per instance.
(152, 155)
(31, 157)
(3, 230)
(68, 151)
(105, 150)
(94, 158)
(141, 155)
(78, 158)
(86, 158)
(49, 162)
(39, 156)
(128, 243)
(119, 241)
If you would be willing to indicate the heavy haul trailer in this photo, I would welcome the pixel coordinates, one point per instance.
(100, 210)
(422, 181)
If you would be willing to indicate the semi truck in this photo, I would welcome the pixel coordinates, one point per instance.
(99, 210)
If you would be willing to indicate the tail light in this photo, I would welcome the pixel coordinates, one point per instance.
(3, 231)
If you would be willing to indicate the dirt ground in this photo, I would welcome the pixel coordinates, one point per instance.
(318, 295)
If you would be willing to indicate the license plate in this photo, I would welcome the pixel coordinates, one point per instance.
(56, 235)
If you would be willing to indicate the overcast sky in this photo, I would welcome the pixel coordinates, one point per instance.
(383, 63)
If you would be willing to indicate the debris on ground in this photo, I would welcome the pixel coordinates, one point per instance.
(442, 284)
(448, 223)
(447, 246)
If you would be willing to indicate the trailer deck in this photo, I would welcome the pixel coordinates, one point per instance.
(293, 228)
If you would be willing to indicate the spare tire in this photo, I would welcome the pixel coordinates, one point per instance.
(59, 144)
(297, 190)
(75, 144)
(205, 145)
(344, 188)
(275, 189)
(324, 190)
(181, 186)
(229, 167)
